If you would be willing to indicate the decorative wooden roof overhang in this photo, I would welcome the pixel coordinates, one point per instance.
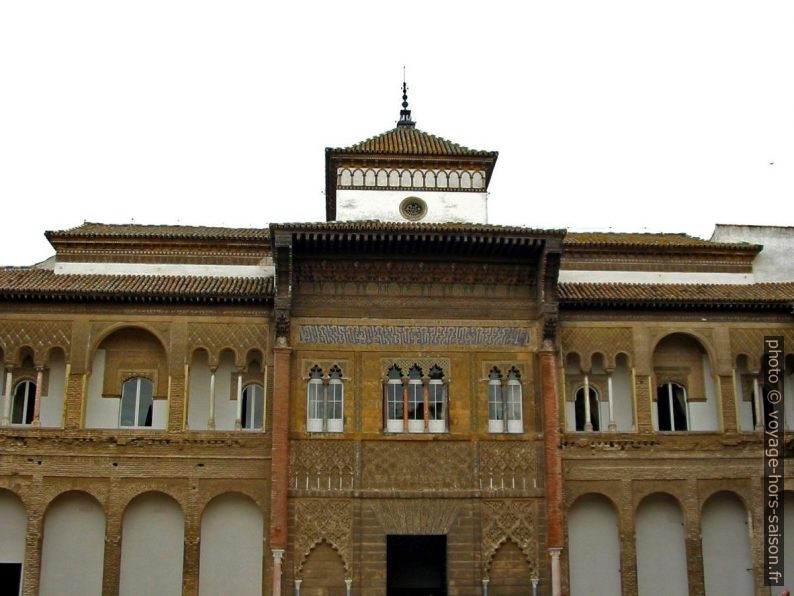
(41, 285)
(443, 240)
(136, 241)
(405, 146)
(538, 249)
(743, 297)
(670, 252)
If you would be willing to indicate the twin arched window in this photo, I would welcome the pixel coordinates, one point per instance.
(137, 403)
(417, 403)
(24, 403)
(505, 402)
(325, 401)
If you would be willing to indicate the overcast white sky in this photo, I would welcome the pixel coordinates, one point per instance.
(635, 116)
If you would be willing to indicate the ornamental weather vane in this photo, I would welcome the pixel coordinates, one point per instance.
(405, 113)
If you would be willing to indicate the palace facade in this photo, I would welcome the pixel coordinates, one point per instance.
(403, 400)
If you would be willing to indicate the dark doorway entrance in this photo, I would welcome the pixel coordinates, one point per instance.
(416, 565)
(10, 578)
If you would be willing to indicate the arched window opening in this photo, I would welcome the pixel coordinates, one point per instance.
(416, 402)
(454, 180)
(369, 178)
(252, 415)
(336, 400)
(671, 407)
(345, 178)
(137, 403)
(315, 405)
(394, 400)
(496, 417)
(581, 410)
(515, 422)
(383, 178)
(437, 401)
(430, 180)
(358, 178)
(24, 403)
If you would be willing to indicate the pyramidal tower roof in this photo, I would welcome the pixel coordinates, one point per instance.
(405, 148)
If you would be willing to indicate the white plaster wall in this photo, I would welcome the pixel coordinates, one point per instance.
(661, 550)
(73, 549)
(594, 553)
(622, 398)
(100, 412)
(745, 407)
(774, 263)
(103, 412)
(788, 543)
(654, 277)
(727, 563)
(165, 269)
(703, 415)
(13, 524)
(152, 544)
(52, 403)
(230, 561)
(384, 205)
(225, 406)
(198, 410)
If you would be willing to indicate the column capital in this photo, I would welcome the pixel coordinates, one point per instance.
(278, 554)
(555, 551)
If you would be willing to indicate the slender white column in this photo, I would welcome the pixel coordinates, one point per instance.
(37, 403)
(759, 421)
(298, 583)
(485, 582)
(278, 554)
(211, 419)
(535, 581)
(612, 425)
(588, 423)
(556, 576)
(686, 410)
(6, 419)
(348, 587)
(238, 421)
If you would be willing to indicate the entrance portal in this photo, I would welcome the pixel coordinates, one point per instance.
(416, 565)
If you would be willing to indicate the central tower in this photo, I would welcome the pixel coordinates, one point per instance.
(406, 174)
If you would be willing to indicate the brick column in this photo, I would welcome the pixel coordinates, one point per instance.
(176, 403)
(628, 545)
(728, 401)
(694, 547)
(191, 556)
(551, 441)
(73, 401)
(643, 393)
(111, 573)
(32, 567)
(280, 459)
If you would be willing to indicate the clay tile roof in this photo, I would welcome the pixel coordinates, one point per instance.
(761, 295)
(410, 140)
(100, 230)
(604, 239)
(41, 284)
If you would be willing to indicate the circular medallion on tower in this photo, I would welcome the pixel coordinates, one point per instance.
(413, 208)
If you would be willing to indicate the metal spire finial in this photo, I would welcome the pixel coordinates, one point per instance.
(405, 113)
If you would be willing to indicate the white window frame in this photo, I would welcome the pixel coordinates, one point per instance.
(394, 386)
(335, 425)
(138, 383)
(315, 404)
(514, 424)
(249, 417)
(496, 425)
(438, 425)
(416, 386)
(28, 401)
